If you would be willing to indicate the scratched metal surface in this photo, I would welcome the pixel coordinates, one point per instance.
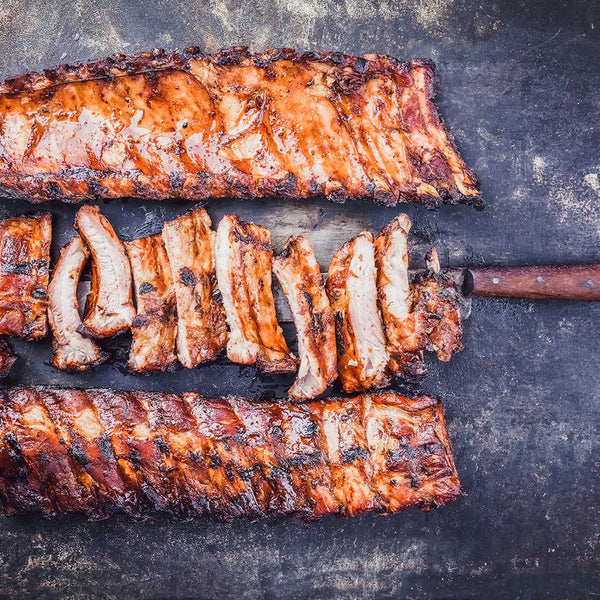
(519, 88)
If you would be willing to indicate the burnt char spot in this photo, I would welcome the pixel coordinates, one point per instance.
(187, 277)
(146, 288)
(310, 429)
(353, 454)
(38, 293)
(78, 454)
(105, 446)
(24, 268)
(140, 321)
(309, 300)
(162, 446)
(214, 461)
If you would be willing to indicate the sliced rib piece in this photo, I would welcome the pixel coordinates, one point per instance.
(24, 272)
(202, 332)
(189, 125)
(98, 452)
(72, 351)
(405, 337)
(109, 309)
(352, 291)
(7, 358)
(244, 262)
(300, 277)
(437, 309)
(154, 327)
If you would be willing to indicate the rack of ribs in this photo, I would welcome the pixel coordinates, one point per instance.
(201, 327)
(232, 124)
(244, 263)
(24, 273)
(154, 327)
(100, 452)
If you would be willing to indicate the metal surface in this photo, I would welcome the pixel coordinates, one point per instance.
(519, 88)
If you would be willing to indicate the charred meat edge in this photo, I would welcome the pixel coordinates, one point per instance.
(72, 351)
(109, 308)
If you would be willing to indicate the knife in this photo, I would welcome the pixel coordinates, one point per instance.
(550, 282)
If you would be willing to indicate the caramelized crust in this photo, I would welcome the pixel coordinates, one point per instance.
(351, 287)
(98, 452)
(154, 327)
(202, 332)
(109, 308)
(244, 262)
(72, 351)
(300, 277)
(404, 331)
(24, 273)
(231, 124)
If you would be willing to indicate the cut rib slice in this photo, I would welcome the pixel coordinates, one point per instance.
(154, 328)
(300, 277)
(351, 287)
(24, 273)
(72, 351)
(109, 307)
(405, 338)
(244, 262)
(202, 332)
(437, 309)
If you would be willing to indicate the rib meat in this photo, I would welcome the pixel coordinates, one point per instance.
(98, 452)
(300, 277)
(351, 287)
(404, 332)
(72, 351)
(109, 309)
(244, 262)
(202, 332)
(189, 125)
(24, 272)
(154, 327)
(437, 309)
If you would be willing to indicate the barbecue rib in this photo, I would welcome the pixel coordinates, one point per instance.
(202, 332)
(99, 452)
(109, 308)
(403, 331)
(72, 351)
(351, 287)
(154, 328)
(189, 125)
(244, 262)
(437, 309)
(24, 272)
(300, 277)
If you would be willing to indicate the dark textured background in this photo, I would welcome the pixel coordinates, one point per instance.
(519, 87)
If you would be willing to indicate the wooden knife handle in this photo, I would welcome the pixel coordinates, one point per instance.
(559, 282)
